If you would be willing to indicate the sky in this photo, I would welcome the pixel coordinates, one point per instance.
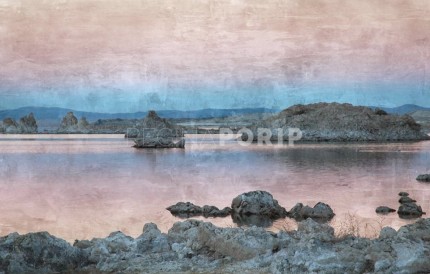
(135, 55)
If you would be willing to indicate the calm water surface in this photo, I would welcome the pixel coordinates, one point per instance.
(85, 186)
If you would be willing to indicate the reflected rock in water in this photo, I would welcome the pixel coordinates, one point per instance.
(252, 220)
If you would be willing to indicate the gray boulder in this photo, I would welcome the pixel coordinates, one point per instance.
(320, 211)
(410, 210)
(186, 210)
(406, 200)
(257, 203)
(403, 194)
(384, 210)
(38, 253)
(423, 178)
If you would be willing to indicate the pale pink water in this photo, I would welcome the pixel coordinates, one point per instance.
(84, 186)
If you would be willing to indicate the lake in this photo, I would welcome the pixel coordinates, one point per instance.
(85, 186)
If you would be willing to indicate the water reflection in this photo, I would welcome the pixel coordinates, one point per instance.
(89, 186)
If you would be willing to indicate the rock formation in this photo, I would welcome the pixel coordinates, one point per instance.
(26, 125)
(186, 210)
(257, 203)
(156, 132)
(408, 208)
(199, 247)
(70, 125)
(340, 122)
(384, 210)
(320, 211)
(423, 178)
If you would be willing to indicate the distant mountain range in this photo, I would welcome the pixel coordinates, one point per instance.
(405, 109)
(56, 114)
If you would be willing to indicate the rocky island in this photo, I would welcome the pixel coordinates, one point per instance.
(341, 122)
(156, 132)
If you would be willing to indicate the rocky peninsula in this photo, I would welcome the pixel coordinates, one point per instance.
(341, 122)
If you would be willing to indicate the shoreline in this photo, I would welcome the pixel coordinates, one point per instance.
(194, 246)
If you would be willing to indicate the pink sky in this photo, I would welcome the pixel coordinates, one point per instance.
(89, 46)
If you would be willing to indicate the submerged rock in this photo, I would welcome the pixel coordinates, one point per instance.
(320, 211)
(384, 210)
(403, 194)
(423, 178)
(257, 203)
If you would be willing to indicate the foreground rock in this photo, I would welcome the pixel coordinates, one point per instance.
(26, 125)
(340, 122)
(198, 247)
(156, 132)
(320, 211)
(423, 178)
(257, 203)
(186, 210)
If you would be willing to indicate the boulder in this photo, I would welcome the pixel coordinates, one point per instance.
(403, 194)
(410, 211)
(423, 178)
(384, 210)
(38, 253)
(320, 211)
(186, 210)
(257, 203)
(406, 200)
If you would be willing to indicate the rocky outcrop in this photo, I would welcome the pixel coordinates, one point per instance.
(26, 125)
(384, 210)
(257, 203)
(199, 247)
(71, 125)
(156, 132)
(340, 122)
(320, 212)
(424, 178)
(408, 208)
(186, 210)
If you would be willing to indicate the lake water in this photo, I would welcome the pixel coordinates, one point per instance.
(84, 186)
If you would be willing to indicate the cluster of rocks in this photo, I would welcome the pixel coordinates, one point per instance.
(254, 208)
(25, 125)
(71, 124)
(156, 132)
(187, 210)
(408, 208)
(340, 122)
(200, 247)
